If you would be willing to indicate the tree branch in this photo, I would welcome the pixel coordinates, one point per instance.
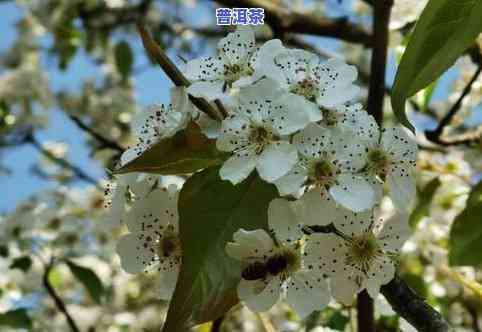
(176, 76)
(413, 308)
(435, 135)
(59, 303)
(79, 173)
(283, 20)
(378, 65)
(105, 142)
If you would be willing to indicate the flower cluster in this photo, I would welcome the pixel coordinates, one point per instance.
(292, 118)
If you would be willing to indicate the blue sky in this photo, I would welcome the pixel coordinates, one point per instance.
(151, 86)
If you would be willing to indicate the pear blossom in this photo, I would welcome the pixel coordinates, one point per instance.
(257, 133)
(359, 255)
(391, 158)
(154, 123)
(313, 84)
(238, 63)
(153, 241)
(350, 119)
(273, 265)
(330, 162)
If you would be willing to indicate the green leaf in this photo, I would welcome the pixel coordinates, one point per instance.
(124, 59)
(186, 152)
(425, 197)
(89, 279)
(445, 30)
(23, 263)
(211, 211)
(16, 319)
(466, 233)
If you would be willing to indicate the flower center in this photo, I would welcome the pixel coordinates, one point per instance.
(322, 173)
(363, 250)
(329, 117)
(307, 88)
(260, 137)
(232, 73)
(169, 245)
(378, 162)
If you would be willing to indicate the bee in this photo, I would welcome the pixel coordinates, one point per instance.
(274, 265)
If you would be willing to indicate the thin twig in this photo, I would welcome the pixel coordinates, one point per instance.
(105, 142)
(174, 74)
(78, 172)
(435, 135)
(59, 303)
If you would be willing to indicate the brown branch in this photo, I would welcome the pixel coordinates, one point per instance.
(176, 76)
(78, 172)
(376, 94)
(283, 20)
(413, 308)
(365, 312)
(59, 303)
(435, 135)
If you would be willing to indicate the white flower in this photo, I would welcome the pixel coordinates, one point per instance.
(274, 265)
(123, 190)
(350, 119)
(360, 255)
(313, 84)
(153, 241)
(237, 63)
(330, 161)
(256, 133)
(391, 157)
(152, 125)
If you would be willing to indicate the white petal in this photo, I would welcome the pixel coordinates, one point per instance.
(344, 287)
(316, 209)
(380, 273)
(235, 131)
(336, 78)
(352, 223)
(354, 192)
(297, 112)
(259, 296)
(263, 61)
(394, 233)
(307, 292)
(152, 212)
(276, 160)
(312, 140)
(294, 65)
(209, 127)
(209, 90)
(249, 244)
(134, 257)
(283, 221)
(238, 167)
(237, 46)
(401, 147)
(352, 118)
(291, 183)
(325, 254)
(205, 69)
(167, 284)
(401, 185)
